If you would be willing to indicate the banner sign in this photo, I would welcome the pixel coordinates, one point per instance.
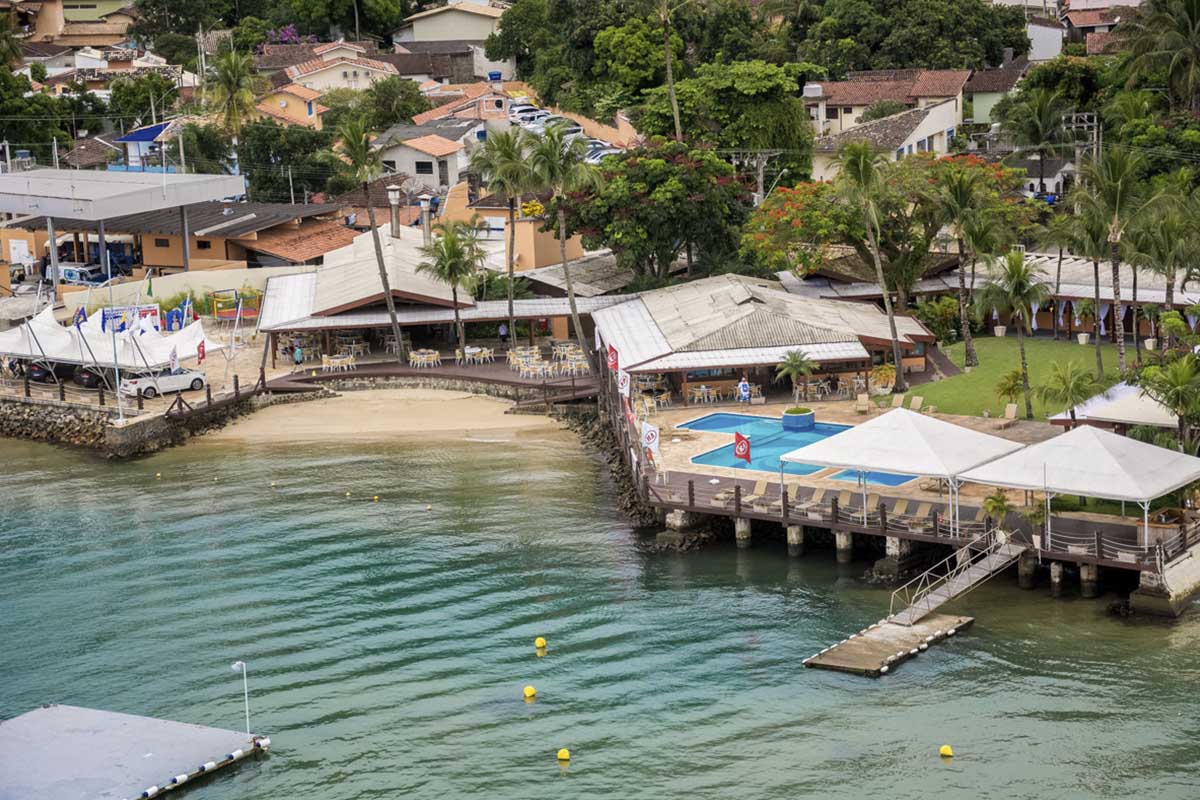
(623, 381)
(741, 447)
(650, 438)
(612, 357)
(125, 316)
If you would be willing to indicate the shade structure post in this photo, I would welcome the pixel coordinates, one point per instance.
(112, 325)
(862, 477)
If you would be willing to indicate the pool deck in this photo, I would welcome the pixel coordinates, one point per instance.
(70, 752)
(680, 484)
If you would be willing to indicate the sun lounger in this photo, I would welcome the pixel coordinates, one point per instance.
(897, 401)
(899, 509)
(722, 498)
(1009, 419)
(920, 520)
(760, 489)
(915, 403)
(862, 404)
(843, 500)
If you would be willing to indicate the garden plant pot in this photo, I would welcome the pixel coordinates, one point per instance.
(1083, 338)
(999, 330)
(1152, 344)
(799, 422)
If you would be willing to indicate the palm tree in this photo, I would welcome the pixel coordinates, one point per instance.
(1017, 287)
(1165, 241)
(454, 257)
(861, 182)
(1037, 127)
(959, 197)
(1165, 36)
(557, 164)
(362, 162)
(10, 46)
(796, 367)
(1177, 386)
(1089, 240)
(233, 90)
(502, 164)
(1114, 194)
(1009, 386)
(1057, 233)
(1068, 385)
(665, 9)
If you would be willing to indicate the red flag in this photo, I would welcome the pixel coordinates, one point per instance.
(741, 447)
(200, 352)
(612, 357)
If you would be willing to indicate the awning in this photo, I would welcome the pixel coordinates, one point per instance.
(906, 442)
(1092, 462)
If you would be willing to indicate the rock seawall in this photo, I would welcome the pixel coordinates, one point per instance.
(58, 423)
(597, 435)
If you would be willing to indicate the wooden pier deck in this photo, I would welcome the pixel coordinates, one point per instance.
(877, 650)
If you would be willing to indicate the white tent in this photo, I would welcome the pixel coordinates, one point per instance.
(1136, 409)
(1093, 462)
(43, 339)
(906, 442)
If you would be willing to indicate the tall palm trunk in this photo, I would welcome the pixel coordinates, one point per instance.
(1057, 288)
(1118, 324)
(1096, 316)
(666, 18)
(459, 331)
(970, 358)
(387, 286)
(1024, 369)
(575, 323)
(1133, 310)
(1170, 304)
(900, 386)
(512, 260)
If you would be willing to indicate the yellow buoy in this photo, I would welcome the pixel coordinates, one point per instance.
(946, 751)
(564, 754)
(272, 484)
(347, 494)
(429, 508)
(530, 692)
(157, 475)
(375, 498)
(539, 643)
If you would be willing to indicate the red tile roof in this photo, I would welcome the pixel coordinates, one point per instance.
(302, 243)
(940, 82)
(1091, 17)
(317, 64)
(1099, 44)
(434, 145)
(342, 43)
(905, 86)
(865, 93)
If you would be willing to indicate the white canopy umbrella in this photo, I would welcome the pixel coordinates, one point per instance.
(1093, 462)
(906, 442)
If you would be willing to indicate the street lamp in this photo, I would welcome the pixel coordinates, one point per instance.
(235, 666)
(424, 200)
(393, 195)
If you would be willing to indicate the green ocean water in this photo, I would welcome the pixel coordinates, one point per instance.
(388, 645)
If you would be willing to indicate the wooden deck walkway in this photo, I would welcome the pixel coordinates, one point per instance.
(939, 590)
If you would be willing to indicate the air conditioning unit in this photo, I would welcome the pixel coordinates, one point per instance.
(813, 90)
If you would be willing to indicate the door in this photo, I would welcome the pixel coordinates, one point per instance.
(443, 173)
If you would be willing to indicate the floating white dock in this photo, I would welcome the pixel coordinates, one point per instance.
(70, 753)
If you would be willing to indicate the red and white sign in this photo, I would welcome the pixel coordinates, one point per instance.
(200, 352)
(629, 415)
(650, 437)
(612, 357)
(741, 447)
(623, 382)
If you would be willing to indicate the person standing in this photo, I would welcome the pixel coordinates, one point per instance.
(744, 391)
(297, 356)
(503, 333)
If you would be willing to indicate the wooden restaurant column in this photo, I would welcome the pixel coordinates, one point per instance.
(183, 227)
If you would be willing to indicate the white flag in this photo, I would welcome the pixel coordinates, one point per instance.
(174, 359)
(650, 438)
(623, 381)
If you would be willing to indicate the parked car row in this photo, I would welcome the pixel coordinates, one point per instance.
(537, 120)
(151, 384)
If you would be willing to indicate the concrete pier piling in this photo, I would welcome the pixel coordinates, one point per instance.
(1089, 580)
(741, 531)
(1027, 570)
(1056, 579)
(795, 540)
(844, 542)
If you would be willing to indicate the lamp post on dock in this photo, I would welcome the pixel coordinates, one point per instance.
(235, 666)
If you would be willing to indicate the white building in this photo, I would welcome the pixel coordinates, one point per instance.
(919, 130)
(835, 106)
(338, 65)
(1045, 38)
(456, 21)
(430, 159)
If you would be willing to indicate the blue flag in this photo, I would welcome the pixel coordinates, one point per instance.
(80, 317)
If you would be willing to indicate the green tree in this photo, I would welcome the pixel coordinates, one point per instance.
(629, 59)
(1113, 192)
(1176, 385)
(144, 98)
(1068, 385)
(502, 163)
(1058, 234)
(1090, 241)
(960, 196)
(1163, 36)
(796, 367)
(232, 92)
(1015, 288)
(659, 199)
(343, 105)
(454, 257)
(1037, 127)
(1009, 386)
(558, 167)
(394, 100)
(861, 181)
(37, 72)
(33, 117)
(176, 48)
(282, 161)
(361, 161)
(207, 148)
(249, 33)
(10, 45)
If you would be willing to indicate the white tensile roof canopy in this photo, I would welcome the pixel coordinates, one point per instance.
(906, 442)
(1092, 462)
(93, 195)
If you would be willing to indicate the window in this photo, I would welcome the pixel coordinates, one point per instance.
(831, 112)
(203, 244)
(345, 74)
(899, 153)
(847, 110)
(949, 135)
(498, 103)
(389, 166)
(309, 104)
(161, 243)
(424, 167)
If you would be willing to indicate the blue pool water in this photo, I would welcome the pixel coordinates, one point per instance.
(769, 441)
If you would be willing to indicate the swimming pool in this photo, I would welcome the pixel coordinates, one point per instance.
(769, 441)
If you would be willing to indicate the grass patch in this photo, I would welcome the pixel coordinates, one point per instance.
(972, 393)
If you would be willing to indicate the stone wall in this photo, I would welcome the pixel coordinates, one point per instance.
(51, 421)
(500, 390)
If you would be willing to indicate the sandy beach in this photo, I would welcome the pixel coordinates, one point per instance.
(381, 413)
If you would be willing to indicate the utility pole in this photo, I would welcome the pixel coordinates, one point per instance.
(182, 155)
(291, 189)
(7, 156)
(54, 142)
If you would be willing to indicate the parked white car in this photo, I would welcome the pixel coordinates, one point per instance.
(164, 382)
(516, 110)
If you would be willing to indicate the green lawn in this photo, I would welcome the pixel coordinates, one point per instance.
(971, 393)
